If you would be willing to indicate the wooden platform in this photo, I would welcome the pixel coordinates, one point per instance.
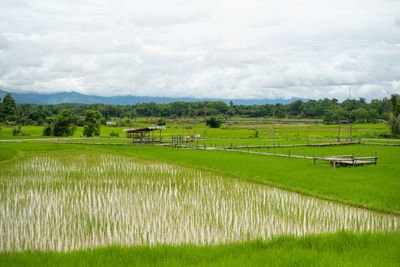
(350, 160)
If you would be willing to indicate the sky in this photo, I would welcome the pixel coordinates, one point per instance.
(227, 49)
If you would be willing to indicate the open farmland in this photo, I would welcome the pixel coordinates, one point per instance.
(65, 201)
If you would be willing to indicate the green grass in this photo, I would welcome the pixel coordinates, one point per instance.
(340, 249)
(376, 187)
(239, 129)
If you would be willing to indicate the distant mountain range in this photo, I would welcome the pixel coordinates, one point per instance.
(77, 98)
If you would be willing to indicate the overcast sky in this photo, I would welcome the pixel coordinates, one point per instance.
(217, 48)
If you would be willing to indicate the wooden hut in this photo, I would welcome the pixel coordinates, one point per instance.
(145, 135)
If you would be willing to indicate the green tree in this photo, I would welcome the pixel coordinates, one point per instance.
(335, 114)
(360, 115)
(161, 122)
(2, 115)
(214, 122)
(372, 116)
(394, 117)
(48, 130)
(9, 106)
(92, 123)
(64, 124)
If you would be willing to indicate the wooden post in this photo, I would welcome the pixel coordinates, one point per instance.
(313, 160)
(268, 149)
(352, 157)
(334, 164)
(338, 138)
(351, 132)
(195, 126)
(182, 125)
(289, 153)
(376, 157)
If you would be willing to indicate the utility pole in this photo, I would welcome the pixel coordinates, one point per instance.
(194, 134)
(182, 124)
(273, 123)
(205, 125)
(189, 121)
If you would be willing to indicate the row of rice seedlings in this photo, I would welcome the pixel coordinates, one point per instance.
(65, 201)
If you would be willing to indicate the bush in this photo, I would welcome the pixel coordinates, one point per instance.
(214, 122)
(161, 122)
(114, 134)
(48, 131)
(17, 131)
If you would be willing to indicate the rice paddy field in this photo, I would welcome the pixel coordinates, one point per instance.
(66, 201)
(71, 204)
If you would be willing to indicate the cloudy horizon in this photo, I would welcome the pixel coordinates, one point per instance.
(202, 49)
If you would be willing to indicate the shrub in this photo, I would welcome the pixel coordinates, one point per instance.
(214, 122)
(161, 122)
(48, 131)
(114, 134)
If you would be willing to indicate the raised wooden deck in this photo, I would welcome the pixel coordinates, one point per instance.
(350, 160)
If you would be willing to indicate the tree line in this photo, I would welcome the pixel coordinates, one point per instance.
(330, 110)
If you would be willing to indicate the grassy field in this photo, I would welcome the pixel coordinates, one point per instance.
(376, 187)
(341, 249)
(77, 200)
(239, 129)
(83, 181)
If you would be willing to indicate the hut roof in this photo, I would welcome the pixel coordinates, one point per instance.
(147, 129)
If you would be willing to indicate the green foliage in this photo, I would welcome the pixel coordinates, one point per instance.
(394, 117)
(32, 114)
(92, 123)
(360, 115)
(161, 122)
(9, 107)
(214, 122)
(335, 114)
(256, 133)
(64, 124)
(48, 130)
(17, 130)
(114, 134)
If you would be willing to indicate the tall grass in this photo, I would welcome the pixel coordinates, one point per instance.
(72, 200)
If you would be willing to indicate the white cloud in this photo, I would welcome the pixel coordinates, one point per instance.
(226, 49)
